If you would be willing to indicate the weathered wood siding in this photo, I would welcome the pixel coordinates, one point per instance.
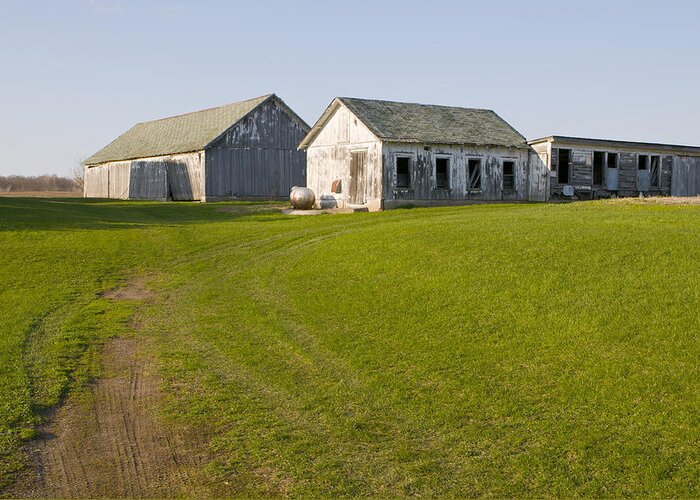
(423, 190)
(177, 177)
(119, 177)
(686, 176)
(539, 174)
(96, 182)
(257, 157)
(627, 172)
(329, 155)
(629, 179)
(149, 181)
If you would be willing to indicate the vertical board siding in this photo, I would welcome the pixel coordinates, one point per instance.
(257, 157)
(119, 175)
(686, 176)
(149, 181)
(177, 177)
(96, 182)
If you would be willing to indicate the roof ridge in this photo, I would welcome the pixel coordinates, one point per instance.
(446, 106)
(262, 98)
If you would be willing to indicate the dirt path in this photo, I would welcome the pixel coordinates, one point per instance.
(110, 443)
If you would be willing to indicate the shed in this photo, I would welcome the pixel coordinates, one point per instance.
(243, 150)
(384, 154)
(597, 168)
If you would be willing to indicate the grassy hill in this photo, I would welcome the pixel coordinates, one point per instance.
(502, 350)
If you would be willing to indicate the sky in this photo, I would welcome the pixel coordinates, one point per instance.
(74, 74)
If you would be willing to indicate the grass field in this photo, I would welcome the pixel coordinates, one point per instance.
(502, 350)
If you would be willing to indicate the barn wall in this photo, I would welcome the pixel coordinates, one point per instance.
(177, 177)
(96, 183)
(257, 157)
(423, 190)
(538, 173)
(329, 156)
(119, 177)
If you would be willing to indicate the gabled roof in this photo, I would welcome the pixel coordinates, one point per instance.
(425, 124)
(182, 133)
(586, 141)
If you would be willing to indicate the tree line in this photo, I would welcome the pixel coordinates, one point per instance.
(16, 183)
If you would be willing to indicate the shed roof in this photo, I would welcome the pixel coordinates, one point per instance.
(181, 133)
(586, 141)
(425, 124)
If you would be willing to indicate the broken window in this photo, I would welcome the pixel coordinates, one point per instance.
(442, 173)
(509, 175)
(598, 165)
(403, 172)
(655, 174)
(612, 160)
(474, 174)
(643, 162)
(564, 164)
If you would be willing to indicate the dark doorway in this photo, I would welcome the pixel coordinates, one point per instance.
(598, 167)
(564, 166)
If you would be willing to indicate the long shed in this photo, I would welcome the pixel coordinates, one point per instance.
(243, 150)
(595, 168)
(384, 154)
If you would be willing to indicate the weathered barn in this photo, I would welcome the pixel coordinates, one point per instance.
(244, 150)
(594, 168)
(383, 154)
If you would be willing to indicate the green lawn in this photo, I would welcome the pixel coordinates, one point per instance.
(501, 350)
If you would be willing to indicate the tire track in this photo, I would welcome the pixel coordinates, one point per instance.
(111, 444)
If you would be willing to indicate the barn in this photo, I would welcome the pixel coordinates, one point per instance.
(587, 168)
(243, 150)
(373, 154)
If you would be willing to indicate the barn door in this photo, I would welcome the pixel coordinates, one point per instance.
(358, 166)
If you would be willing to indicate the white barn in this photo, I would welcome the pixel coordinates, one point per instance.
(383, 154)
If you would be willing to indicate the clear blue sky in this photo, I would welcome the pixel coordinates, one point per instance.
(74, 74)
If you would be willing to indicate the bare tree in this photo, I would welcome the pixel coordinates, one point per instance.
(77, 174)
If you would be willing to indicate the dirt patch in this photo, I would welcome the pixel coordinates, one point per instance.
(134, 290)
(657, 200)
(251, 208)
(110, 443)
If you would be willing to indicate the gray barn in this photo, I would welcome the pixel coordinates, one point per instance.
(595, 168)
(383, 154)
(244, 150)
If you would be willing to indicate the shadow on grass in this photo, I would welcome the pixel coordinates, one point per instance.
(56, 214)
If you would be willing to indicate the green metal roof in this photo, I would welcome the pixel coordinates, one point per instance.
(430, 124)
(177, 134)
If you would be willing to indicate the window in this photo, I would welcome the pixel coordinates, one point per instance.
(509, 175)
(655, 173)
(442, 173)
(403, 172)
(474, 174)
(564, 164)
(643, 162)
(612, 160)
(598, 164)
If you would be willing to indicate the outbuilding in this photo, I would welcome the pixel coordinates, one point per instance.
(244, 150)
(384, 154)
(586, 168)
